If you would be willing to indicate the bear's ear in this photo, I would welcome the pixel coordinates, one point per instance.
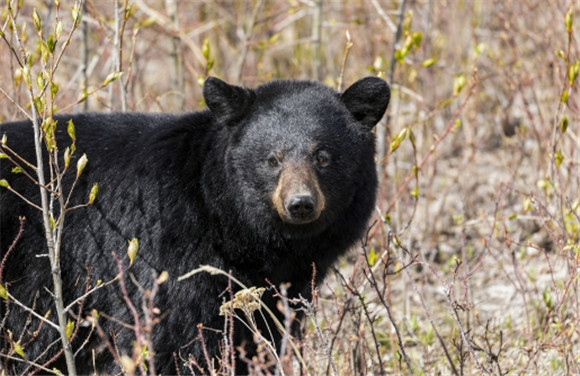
(367, 100)
(227, 102)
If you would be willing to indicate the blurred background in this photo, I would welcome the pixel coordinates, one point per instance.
(472, 261)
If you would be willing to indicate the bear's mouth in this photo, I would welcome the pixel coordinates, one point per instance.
(300, 228)
(302, 222)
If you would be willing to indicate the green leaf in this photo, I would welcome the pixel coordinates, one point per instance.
(83, 97)
(144, 352)
(480, 48)
(408, 20)
(132, 250)
(429, 62)
(274, 38)
(18, 349)
(95, 315)
(81, 164)
(3, 292)
(4, 183)
(558, 158)
(40, 81)
(44, 52)
(387, 218)
(49, 141)
(458, 84)
(48, 125)
(53, 88)
(25, 72)
(564, 124)
(51, 43)
(400, 55)
(76, 16)
(69, 329)
(528, 204)
(564, 97)
(66, 157)
(16, 170)
(58, 29)
(129, 10)
(417, 38)
(70, 129)
(37, 21)
(573, 72)
(545, 185)
(148, 22)
(569, 19)
(409, 43)
(398, 139)
(39, 103)
(373, 258)
(547, 298)
(111, 77)
(415, 192)
(205, 49)
(93, 193)
(51, 222)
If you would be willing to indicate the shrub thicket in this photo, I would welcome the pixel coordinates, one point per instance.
(472, 261)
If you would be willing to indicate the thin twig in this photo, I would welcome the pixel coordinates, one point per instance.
(35, 365)
(450, 125)
(216, 271)
(247, 36)
(373, 282)
(462, 331)
(347, 48)
(31, 311)
(12, 246)
(89, 292)
(16, 104)
(136, 327)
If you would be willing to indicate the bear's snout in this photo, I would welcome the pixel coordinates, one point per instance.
(298, 198)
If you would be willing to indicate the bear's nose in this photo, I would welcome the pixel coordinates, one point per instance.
(301, 208)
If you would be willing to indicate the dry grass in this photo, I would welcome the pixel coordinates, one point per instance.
(473, 260)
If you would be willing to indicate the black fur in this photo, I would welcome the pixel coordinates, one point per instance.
(194, 189)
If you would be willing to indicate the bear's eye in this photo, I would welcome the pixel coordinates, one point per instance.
(273, 160)
(322, 158)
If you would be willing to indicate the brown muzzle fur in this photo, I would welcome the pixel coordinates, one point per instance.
(298, 198)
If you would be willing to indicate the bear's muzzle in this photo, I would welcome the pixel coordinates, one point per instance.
(298, 198)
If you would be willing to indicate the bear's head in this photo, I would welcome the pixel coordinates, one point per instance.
(299, 155)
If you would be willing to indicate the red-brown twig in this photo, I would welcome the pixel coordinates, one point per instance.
(448, 129)
(12, 246)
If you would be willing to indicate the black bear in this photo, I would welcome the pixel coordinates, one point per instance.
(270, 184)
